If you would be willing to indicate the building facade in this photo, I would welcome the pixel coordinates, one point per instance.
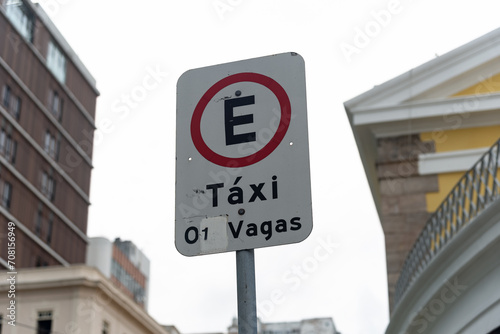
(73, 300)
(305, 326)
(47, 112)
(429, 141)
(124, 264)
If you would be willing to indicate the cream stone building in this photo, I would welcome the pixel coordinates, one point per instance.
(305, 326)
(70, 300)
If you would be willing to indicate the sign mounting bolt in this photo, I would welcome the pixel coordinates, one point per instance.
(241, 212)
(237, 93)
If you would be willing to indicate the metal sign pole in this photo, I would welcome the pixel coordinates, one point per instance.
(245, 276)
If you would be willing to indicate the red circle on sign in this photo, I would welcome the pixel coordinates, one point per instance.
(286, 113)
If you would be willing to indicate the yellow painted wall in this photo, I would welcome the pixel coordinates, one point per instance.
(461, 139)
(489, 85)
(453, 140)
(446, 182)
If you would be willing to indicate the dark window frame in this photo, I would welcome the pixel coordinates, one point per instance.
(38, 222)
(25, 24)
(44, 322)
(50, 228)
(6, 96)
(6, 194)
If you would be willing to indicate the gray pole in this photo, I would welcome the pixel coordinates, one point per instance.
(245, 276)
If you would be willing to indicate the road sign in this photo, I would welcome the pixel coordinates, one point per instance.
(242, 156)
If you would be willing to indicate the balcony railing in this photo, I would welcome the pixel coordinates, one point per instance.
(477, 188)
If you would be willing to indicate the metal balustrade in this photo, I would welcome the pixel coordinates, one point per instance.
(475, 190)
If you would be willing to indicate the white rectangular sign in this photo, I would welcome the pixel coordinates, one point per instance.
(242, 156)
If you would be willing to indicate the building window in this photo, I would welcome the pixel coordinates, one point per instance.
(15, 110)
(105, 328)
(6, 96)
(10, 149)
(56, 62)
(48, 186)
(38, 222)
(21, 17)
(44, 324)
(6, 195)
(49, 229)
(3, 140)
(8, 146)
(11, 102)
(56, 105)
(51, 145)
(128, 282)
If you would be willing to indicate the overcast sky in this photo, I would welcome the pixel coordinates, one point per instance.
(348, 47)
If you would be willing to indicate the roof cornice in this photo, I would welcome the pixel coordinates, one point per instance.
(424, 116)
(420, 100)
(416, 82)
(78, 276)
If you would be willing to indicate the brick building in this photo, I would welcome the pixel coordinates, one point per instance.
(47, 112)
(124, 264)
